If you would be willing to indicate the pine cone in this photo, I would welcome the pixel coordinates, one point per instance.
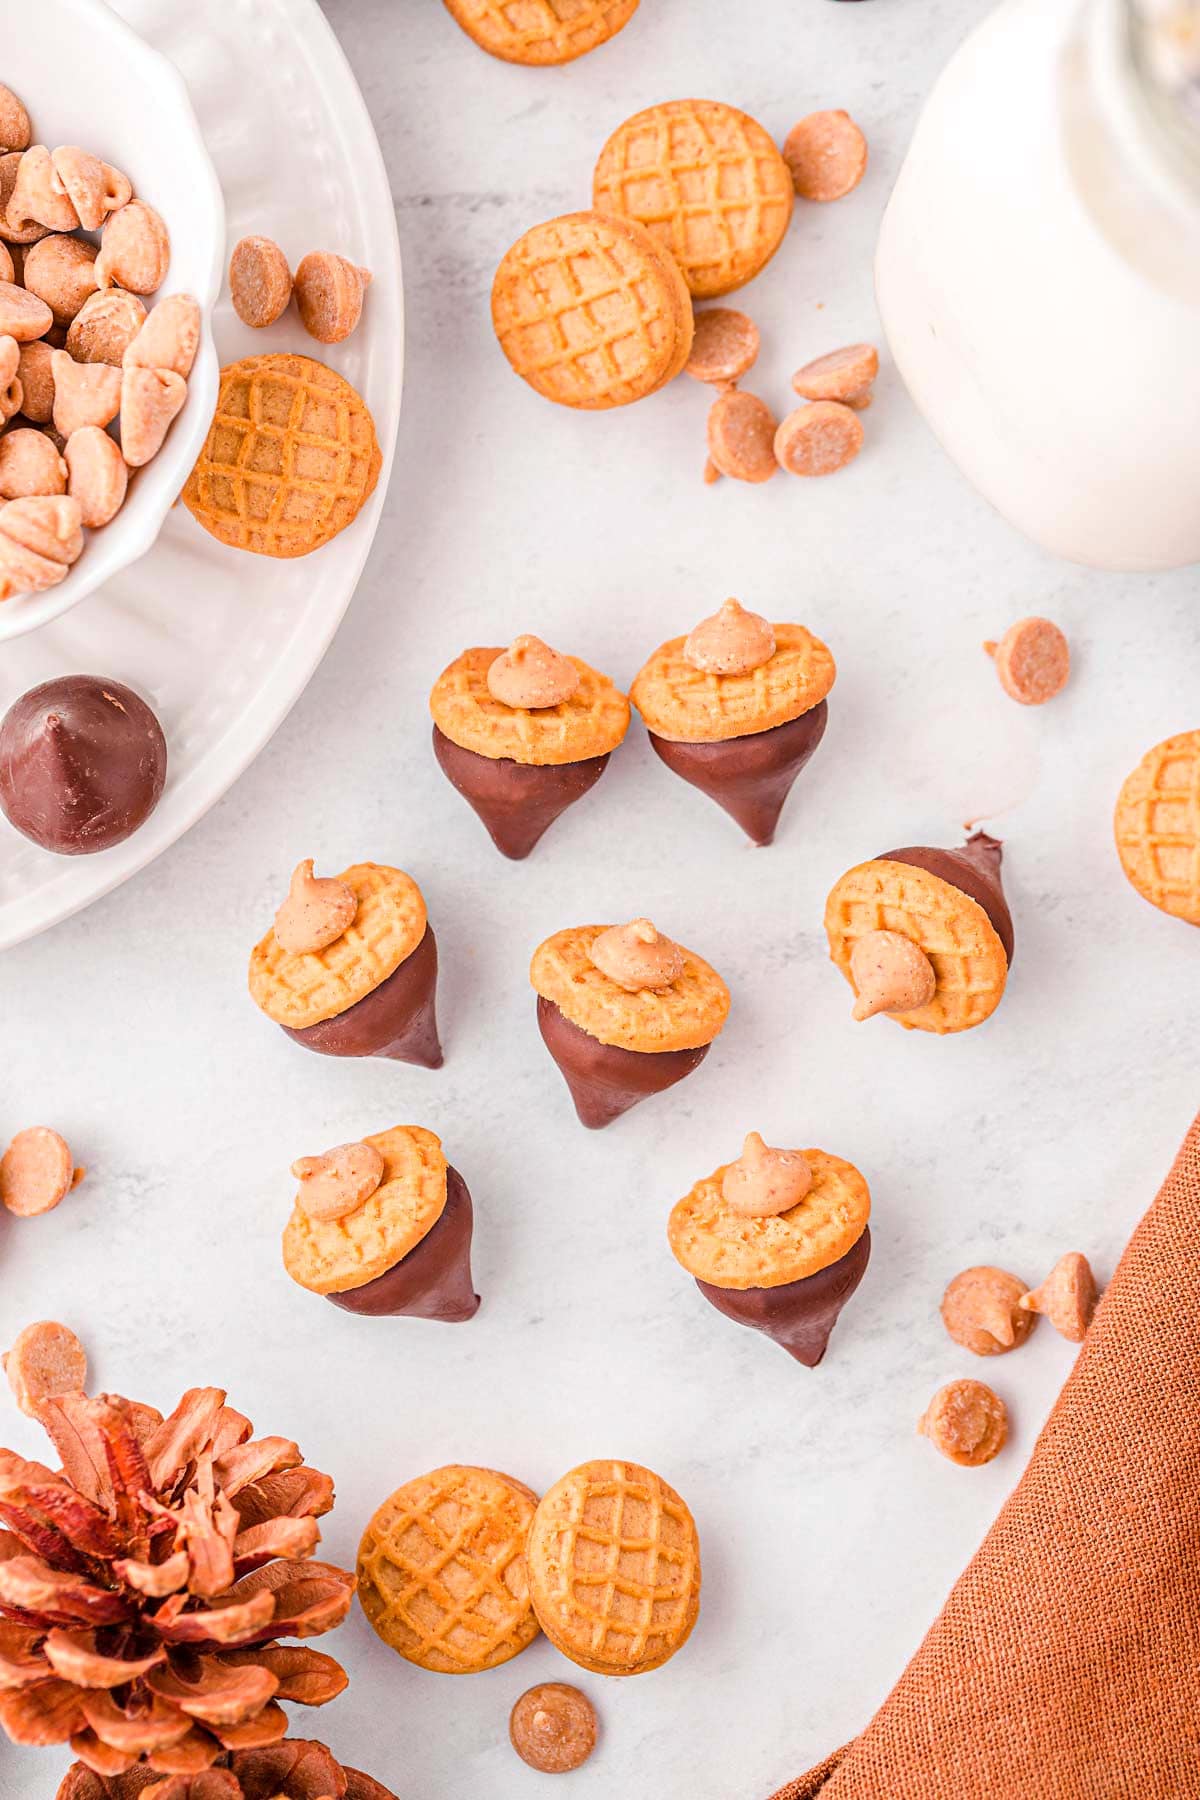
(143, 1588)
(292, 1770)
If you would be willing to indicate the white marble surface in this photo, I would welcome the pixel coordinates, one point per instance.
(830, 1531)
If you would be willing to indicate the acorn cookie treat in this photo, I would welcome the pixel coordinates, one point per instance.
(614, 1568)
(349, 967)
(737, 708)
(1157, 827)
(925, 935)
(778, 1241)
(522, 734)
(624, 1012)
(383, 1227)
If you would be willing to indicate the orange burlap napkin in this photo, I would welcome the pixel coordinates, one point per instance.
(1066, 1663)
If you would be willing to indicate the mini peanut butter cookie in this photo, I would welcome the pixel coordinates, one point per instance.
(302, 989)
(539, 33)
(331, 1255)
(684, 1016)
(708, 181)
(1157, 827)
(681, 702)
(591, 721)
(442, 1571)
(730, 1249)
(614, 1568)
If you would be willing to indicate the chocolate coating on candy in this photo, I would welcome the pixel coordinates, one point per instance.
(975, 871)
(800, 1315)
(605, 1080)
(82, 764)
(434, 1280)
(397, 1020)
(751, 776)
(517, 802)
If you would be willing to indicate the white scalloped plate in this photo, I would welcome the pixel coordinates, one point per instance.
(222, 644)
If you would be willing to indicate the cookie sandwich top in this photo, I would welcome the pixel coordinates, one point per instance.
(631, 987)
(735, 674)
(529, 704)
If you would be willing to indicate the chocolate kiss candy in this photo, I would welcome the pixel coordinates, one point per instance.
(605, 1080)
(751, 776)
(434, 1280)
(516, 801)
(975, 871)
(396, 1020)
(82, 764)
(800, 1315)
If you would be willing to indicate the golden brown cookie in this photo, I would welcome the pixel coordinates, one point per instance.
(591, 312)
(541, 32)
(710, 184)
(683, 704)
(592, 722)
(1157, 826)
(302, 990)
(729, 1250)
(331, 1256)
(441, 1570)
(614, 1568)
(952, 930)
(684, 1016)
(290, 458)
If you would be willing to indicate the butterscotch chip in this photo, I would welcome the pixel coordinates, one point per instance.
(22, 315)
(37, 1172)
(16, 133)
(553, 1728)
(135, 250)
(844, 375)
(1033, 661)
(442, 1570)
(36, 374)
(967, 1422)
(826, 154)
(614, 1568)
(329, 293)
(105, 326)
(1067, 1297)
(15, 234)
(260, 281)
(541, 32)
(724, 346)
(331, 1256)
(591, 722)
(1157, 826)
(30, 465)
(684, 704)
(710, 184)
(730, 1249)
(302, 990)
(46, 1361)
(953, 930)
(688, 1014)
(741, 437)
(62, 272)
(818, 439)
(981, 1309)
(97, 475)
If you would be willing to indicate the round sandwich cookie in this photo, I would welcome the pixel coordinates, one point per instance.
(925, 935)
(442, 1571)
(710, 184)
(349, 967)
(523, 734)
(737, 708)
(614, 1568)
(625, 1012)
(1157, 827)
(383, 1227)
(540, 33)
(777, 1241)
(591, 311)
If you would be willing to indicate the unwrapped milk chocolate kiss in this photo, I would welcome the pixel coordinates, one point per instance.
(975, 871)
(434, 1280)
(517, 802)
(605, 1080)
(82, 764)
(752, 776)
(800, 1315)
(397, 1020)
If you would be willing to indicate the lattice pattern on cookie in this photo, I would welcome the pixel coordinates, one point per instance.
(717, 1245)
(586, 311)
(953, 930)
(541, 31)
(289, 459)
(688, 706)
(591, 723)
(331, 1256)
(614, 1568)
(1158, 826)
(441, 1570)
(707, 181)
(299, 991)
(682, 1017)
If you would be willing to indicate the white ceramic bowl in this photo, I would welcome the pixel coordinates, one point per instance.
(87, 78)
